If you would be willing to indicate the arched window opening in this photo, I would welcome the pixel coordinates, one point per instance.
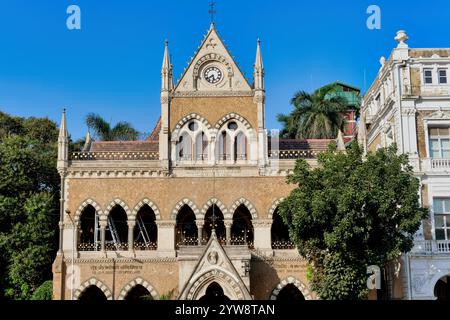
(116, 237)
(290, 293)
(201, 147)
(442, 289)
(214, 294)
(186, 233)
(224, 147)
(89, 232)
(92, 293)
(145, 230)
(184, 148)
(242, 228)
(139, 292)
(280, 233)
(214, 216)
(240, 147)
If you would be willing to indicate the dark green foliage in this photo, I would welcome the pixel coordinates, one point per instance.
(350, 213)
(44, 292)
(29, 192)
(315, 116)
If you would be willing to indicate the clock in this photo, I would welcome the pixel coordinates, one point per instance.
(212, 74)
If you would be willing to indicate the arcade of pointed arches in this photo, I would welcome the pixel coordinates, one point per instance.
(121, 228)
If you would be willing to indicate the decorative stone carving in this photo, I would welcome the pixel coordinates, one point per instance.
(143, 202)
(439, 114)
(213, 93)
(93, 282)
(274, 207)
(401, 37)
(247, 203)
(188, 202)
(138, 281)
(234, 116)
(213, 256)
(84, 205)
(291, 280)
(119, 202)
(218, 203)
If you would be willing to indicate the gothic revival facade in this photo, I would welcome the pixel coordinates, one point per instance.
(191, 212)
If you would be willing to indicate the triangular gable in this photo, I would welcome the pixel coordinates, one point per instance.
(212, 51)
(214, 261)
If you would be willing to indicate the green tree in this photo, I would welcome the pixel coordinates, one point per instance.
(44, 291)
(351, 212)
(102, 130)
(29, 188)
(317, 115)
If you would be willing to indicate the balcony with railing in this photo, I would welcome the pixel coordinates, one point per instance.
(436, 164)
(429, 247)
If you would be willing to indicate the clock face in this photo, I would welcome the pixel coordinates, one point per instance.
(212, 75)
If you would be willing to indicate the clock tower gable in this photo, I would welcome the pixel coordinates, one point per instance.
(212, 69)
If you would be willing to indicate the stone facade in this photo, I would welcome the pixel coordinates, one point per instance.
(209, 153)
(409, 104)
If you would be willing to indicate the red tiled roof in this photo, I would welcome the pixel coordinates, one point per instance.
(137, 146)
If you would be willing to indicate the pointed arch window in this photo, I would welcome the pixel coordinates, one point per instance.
(184, 147)
(224, 146)
(201, 147)
(240, 147)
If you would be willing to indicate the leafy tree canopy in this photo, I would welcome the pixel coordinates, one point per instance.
(349, 213)
(29, 192)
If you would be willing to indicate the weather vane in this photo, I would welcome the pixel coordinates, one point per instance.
(211, 11)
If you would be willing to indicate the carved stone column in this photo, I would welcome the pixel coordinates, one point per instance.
(76, 226)
(131, 225)
(103, 224)
(228, 223)
(200, 231)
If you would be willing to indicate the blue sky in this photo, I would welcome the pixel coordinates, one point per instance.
(112, 65)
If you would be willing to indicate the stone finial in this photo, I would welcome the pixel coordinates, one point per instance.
(401, 37)
(382, 61)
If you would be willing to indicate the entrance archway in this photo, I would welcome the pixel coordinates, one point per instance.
(442, 289)
(139, 292)
(92, 293)
(214, 294)
(290, 293)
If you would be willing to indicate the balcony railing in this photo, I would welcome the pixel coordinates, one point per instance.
(437, 164)
(282, 244)
(432, 247)
(114, 156)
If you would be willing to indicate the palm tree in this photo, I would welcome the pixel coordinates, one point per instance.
(319, 115)
(122, 131)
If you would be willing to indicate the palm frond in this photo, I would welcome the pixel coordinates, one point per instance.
(124, 131)
(99, 127)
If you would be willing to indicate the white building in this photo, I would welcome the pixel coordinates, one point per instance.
(409, 104)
